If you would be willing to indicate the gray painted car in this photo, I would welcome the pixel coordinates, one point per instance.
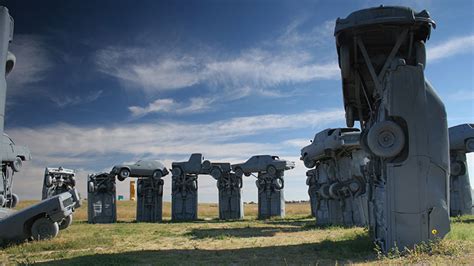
(329, 140)
(14, 155)
(262, 163)
(461, 138)
(142, 168)
(39, 221)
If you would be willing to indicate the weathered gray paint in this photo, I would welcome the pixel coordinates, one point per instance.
(16, 225)
(271, 197)
(149, 200)
(337, 190)
(229, 186)
(404, 127)
(461, 141)
(7, 61)
(270, 182)
(101, 198)
(57, 181)
(6, 36)
(184, 186)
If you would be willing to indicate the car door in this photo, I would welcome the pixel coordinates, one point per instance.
(139, 168)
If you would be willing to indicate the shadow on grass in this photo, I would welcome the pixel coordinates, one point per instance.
(358, 249)
(245, 232)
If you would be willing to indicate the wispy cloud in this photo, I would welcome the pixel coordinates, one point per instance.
(287, 59)
(67, 101)
(451, 47)
(195, 105)
(82, 147)
(166, 138)
(33, 61)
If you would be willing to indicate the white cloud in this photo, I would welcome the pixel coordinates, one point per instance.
(84, 147)
(454, 46)
(67, 101)
(32, 62)
(195, 105)
(286, 59)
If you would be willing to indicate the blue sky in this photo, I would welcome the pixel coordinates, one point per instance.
(99, 83)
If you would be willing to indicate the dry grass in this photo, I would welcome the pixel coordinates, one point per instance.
(294, 240)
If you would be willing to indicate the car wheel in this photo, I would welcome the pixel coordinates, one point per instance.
(206, 165)
(279, 183)
(470, 145)
(44, 228)
(91, 187)
(238, 171)
(17, 164)
(49, 180)
(176, 171)
(308, 163)
(216, 172)
(123, 174)
(65, 223)
(349, 116)
(12, 200)
(386, 139)
(271, 170)
(458, 168)
(333, 191)
(157, 174)
(324, 191)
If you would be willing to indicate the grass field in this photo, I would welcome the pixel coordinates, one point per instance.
(293, 240)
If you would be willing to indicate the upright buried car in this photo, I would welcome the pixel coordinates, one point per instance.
(142, 168)
(262, 163)
(328, 140)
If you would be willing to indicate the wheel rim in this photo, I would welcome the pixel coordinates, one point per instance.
(386, 139)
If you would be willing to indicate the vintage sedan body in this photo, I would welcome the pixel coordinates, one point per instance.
(461, 138)
(330, 139)
(142, 168)
(262, 163)
(39, 221)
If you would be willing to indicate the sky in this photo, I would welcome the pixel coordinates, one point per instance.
(99, 83)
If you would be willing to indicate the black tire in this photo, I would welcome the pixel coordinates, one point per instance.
(333, 189)
(12, 200)
(324, 191)
(44, 228)
(271, 170)
(350, 116)
(65, 223)
(124, 173)
(386, 139)
(458, 168)
(470, 145)
(176, 171)
(17, 164)
(158, 174)
(206, 165)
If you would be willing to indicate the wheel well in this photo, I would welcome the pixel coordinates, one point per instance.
(27, 225)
